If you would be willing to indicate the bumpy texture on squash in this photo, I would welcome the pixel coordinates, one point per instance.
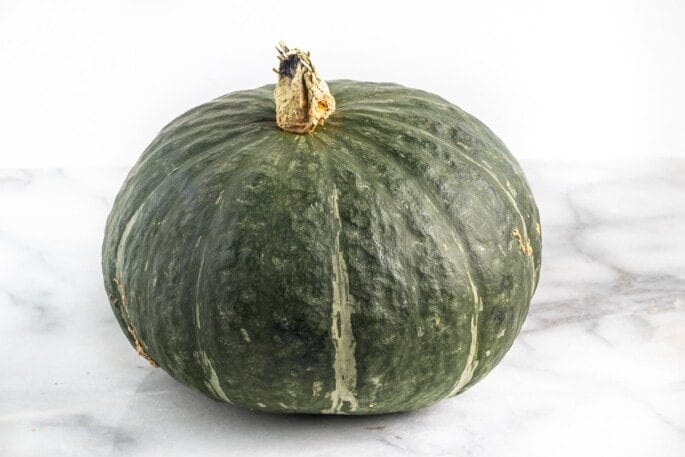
(381, 263)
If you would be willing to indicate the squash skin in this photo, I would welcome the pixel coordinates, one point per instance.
(220, 251)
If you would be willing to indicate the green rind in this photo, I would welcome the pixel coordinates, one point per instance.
(233, 243)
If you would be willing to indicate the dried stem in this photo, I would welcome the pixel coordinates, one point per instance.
(302, 98)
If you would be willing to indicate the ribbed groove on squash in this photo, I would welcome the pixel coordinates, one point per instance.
(441, 212)
(211, 378)
(511, 198)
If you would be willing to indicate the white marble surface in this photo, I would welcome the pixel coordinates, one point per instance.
(598, 369)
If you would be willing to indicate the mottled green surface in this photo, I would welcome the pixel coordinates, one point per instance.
(241, 256)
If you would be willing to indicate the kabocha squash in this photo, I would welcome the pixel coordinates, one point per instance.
(350, 248)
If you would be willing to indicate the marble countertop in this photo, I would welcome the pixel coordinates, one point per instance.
(598, 369)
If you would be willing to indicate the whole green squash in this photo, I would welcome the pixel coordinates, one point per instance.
(380, 263)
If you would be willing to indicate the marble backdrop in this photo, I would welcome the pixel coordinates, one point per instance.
(598, 370)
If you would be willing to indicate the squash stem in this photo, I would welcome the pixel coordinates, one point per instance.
(303, 100)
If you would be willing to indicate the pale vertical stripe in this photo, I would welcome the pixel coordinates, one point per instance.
(471, 361)
(211, 378)
(344, 364)
(197, 292)
(213, 384)
(121, 248)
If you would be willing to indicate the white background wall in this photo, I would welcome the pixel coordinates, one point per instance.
(91, 83)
